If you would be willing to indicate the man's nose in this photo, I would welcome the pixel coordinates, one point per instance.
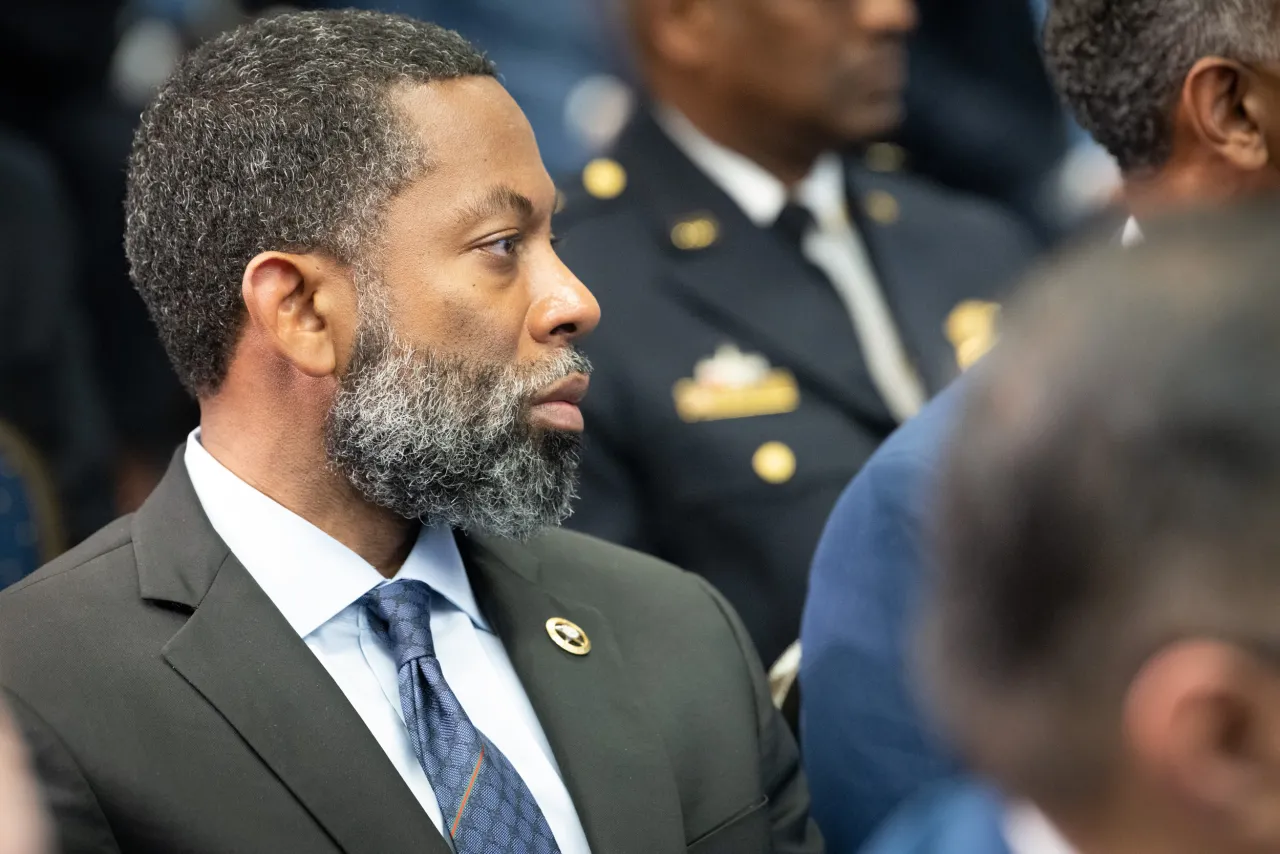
(897, 17)
(563, 307)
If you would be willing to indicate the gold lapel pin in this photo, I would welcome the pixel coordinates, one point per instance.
(568, 636)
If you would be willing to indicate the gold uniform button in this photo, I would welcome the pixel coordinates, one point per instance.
(604, 178)
(697, 233)
(568, 636)
(972, 328)
(882, 207)
(774, 462)
(885, 157)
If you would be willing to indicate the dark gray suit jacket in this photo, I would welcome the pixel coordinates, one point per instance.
(170, 707)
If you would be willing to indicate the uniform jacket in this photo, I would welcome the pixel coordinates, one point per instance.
(170, 707)
(680, 271)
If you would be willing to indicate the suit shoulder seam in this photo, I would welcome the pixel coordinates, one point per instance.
(22, 588)
(716, 599)
(745, 650)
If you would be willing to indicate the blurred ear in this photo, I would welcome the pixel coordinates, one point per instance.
(1227, 106)
(678, 31)
(302, 305)
(1203, 718)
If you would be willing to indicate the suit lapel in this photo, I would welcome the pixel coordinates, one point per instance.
(610, 755)
(238, 651)
(745, 283)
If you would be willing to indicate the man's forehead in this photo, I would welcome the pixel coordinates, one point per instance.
(462, 110)
(465, 121)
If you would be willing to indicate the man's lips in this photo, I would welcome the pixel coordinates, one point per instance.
(557, 406)
(572, 389)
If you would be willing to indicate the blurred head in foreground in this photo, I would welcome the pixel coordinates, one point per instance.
(341, 226)
(1105, 635)
(22, 827)
(1185, 94)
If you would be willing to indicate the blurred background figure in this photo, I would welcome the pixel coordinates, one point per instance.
(772, 309)
(981, 115)
(63, 98)
(1182, 102)
(23, 827)
(55, 452)
(1102, 639)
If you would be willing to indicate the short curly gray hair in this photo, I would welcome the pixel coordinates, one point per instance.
(277, 135)
(1120, 64)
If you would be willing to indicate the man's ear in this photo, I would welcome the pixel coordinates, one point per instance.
(1225, 104)
(1201, 717)
(301, 305)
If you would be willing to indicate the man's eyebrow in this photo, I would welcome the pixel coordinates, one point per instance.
(498, 200)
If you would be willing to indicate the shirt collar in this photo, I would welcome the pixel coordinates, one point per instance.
(308, 575)
(755, 190)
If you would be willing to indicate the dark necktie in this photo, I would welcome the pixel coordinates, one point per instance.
(794, 223)
(487, 807)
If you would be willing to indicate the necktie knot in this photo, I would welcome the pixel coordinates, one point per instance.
(400, 613)
(794, 223)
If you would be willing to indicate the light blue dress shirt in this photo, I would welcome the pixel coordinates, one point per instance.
(316, 582)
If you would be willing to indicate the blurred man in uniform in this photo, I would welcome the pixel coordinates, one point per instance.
(1103, 636)
(776, 308)
(1183, 100)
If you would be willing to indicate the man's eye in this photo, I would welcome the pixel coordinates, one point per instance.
(504, 247)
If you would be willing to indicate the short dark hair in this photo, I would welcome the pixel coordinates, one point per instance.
(1120, 64)
(277, 135)
(1113, 486)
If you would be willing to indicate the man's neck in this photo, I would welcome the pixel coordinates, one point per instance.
(1154, 195)
(784, 152)
(1179, 186)
(292, 470)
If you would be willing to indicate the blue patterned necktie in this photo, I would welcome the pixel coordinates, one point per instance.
(487, 807)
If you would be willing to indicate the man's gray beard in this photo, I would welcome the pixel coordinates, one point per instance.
(449, 441)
